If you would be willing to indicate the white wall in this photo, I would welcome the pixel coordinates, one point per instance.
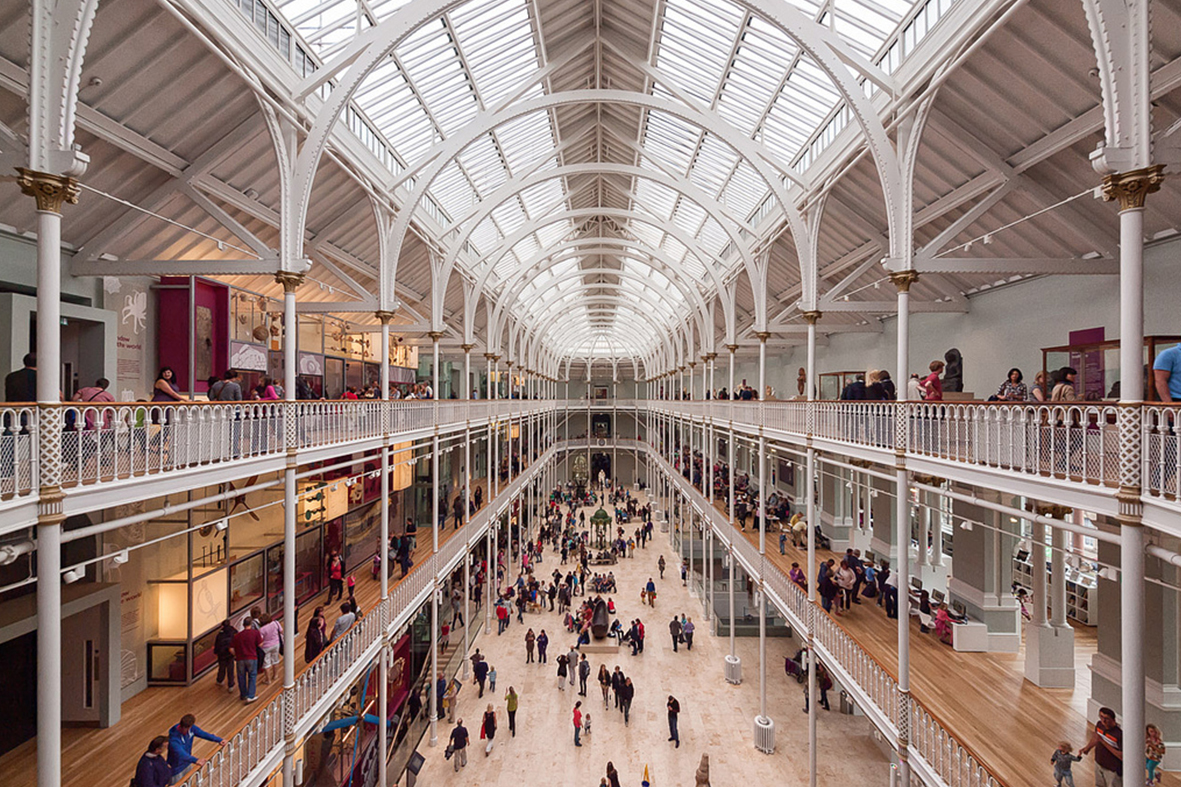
(1003, 328)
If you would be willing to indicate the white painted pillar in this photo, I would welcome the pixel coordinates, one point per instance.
(902, 281)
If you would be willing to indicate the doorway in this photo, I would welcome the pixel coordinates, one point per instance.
(600, 462)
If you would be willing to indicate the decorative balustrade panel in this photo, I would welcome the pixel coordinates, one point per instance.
(955, 765)
(18, 452)
(1161, 458)
(1072, 441)
(230, 765)
(109, 442)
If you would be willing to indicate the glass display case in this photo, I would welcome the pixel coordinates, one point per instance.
(832, 383)
(246, 582)
(1098, 369)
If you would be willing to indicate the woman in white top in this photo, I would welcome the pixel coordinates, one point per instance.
(914, 389)
(845, 579)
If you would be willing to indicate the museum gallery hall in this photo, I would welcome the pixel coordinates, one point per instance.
(575, 392)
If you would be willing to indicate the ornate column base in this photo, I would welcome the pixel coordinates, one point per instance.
(733, 668)
(764, 734)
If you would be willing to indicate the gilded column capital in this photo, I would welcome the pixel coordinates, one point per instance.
(1131, 188)
(903, 279)
(812, 317)
(733, 348)
(435, 335)
(290, 280)
(692, 365)
(709, 357)
(384, 317)
(467, 348)
(50, 191)
(492, 356)
(763, 336)
(1053, 511)
(509, 364)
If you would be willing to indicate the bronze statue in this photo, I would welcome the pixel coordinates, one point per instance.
(600, 620)
(801, 380)
(703, 772)
(953, 374)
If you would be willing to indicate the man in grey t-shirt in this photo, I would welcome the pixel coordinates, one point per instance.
(344, 622)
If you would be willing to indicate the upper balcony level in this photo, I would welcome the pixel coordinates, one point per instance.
(1076, 453)
(98, 454)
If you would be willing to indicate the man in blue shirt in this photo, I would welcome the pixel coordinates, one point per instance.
(1166, 372)
(180, 746)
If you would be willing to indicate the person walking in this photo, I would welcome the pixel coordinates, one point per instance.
(152, 769)
(584, 669)
(510, 704)
(674, 709)
(563, 660)
(616, 684)
(650, 592)
(316, 636)
(1107, 741)
(626, 692)
(480, 668)
(573, 662)
(687, 632)
(223, 648)
(488, 729)
(612, 776)
(502, 618)
(530, 639)
(674, 630)
(180, 746)
(577, 721)
(542, 644)
(245, 646)
(459, 738)
(661, 564)
(605, 685)
(335, 576)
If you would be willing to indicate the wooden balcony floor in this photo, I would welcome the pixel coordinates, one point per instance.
(153, 711)
(981, 698)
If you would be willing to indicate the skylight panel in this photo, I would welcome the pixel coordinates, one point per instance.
(385, 8)
(763, 58)
(401, 117)
(713, 165)
(482, 162)
(526, 139)
(745, 190)
(551, 233)
(695, 43)
(452, 190)
(542, 197)
(712, 238)
(689, 216)
(509, 217)
(497, 42)
(646, 233)
(485, 236)
(655, 197)
(670, 140)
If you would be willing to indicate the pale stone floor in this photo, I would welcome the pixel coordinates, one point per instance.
(716, 717)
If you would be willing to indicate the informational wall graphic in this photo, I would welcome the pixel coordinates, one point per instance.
(128, 298)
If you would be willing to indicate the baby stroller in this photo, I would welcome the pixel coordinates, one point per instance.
(793, 667)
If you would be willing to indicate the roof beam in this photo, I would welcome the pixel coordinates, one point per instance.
(1029, 265)
(889, 307)
(100, 267)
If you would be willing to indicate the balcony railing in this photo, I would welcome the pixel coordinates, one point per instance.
(1074, 442)
(252, 752)
(945, 756)
(80, 446)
